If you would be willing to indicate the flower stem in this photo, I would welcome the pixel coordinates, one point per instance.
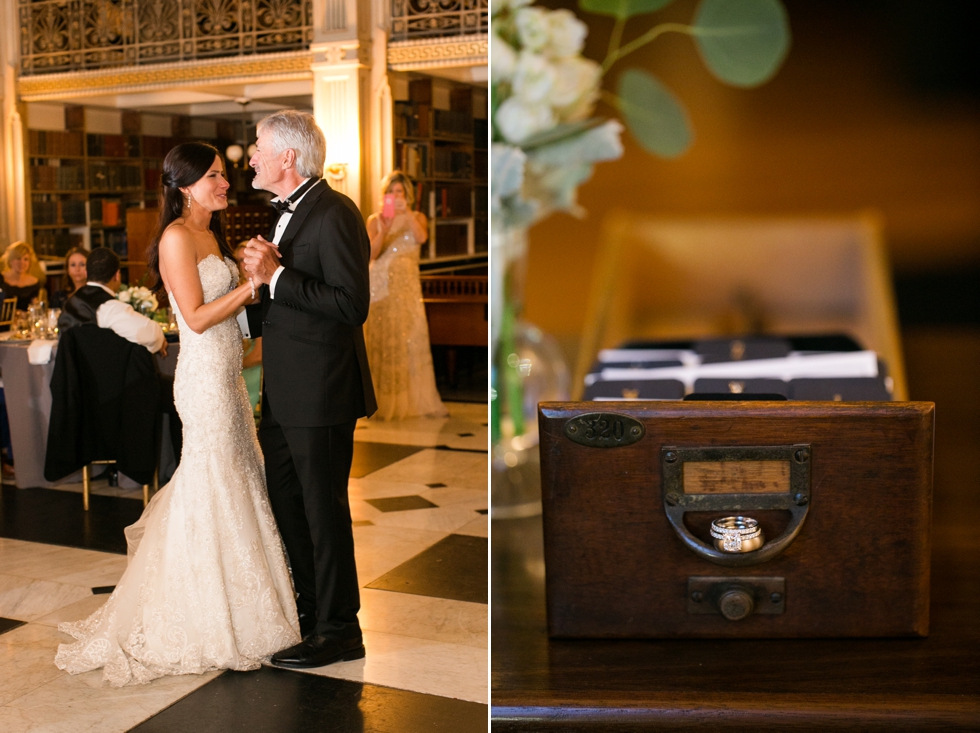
(657, 30)
(615, 38)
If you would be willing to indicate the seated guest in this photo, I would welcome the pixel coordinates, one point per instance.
(18, 282)
(75, 276)
(95, 302)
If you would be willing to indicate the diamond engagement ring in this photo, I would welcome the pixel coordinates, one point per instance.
(737, 534)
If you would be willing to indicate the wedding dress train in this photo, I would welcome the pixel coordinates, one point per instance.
(207, 586)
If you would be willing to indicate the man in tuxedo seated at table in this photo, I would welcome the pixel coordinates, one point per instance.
(95, 302)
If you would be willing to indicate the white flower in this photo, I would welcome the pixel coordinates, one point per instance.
(504, 59)
(554, 172)
(576, 88)
(125, 295)
(533, 28)
(534, 78)
(517, 121)
(567, 34)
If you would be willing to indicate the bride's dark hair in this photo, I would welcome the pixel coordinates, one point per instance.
(184, 166)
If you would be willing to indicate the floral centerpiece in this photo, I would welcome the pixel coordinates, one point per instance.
(546, 141)
(140, 298)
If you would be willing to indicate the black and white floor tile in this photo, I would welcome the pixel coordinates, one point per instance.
(418, 498)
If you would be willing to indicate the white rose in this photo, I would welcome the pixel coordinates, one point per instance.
(576, 88)
(534, 78)
(504, 59)
(151, 303)
(125, 296)
(533, 28)
(517, 121)
(567, 34)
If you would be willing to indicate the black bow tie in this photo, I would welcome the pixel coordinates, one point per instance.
(286, 205)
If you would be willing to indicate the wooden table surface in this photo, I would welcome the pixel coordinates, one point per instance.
(927, 684)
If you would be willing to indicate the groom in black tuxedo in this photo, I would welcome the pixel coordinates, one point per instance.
(313, 272)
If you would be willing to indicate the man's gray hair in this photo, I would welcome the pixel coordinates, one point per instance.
(293, 130)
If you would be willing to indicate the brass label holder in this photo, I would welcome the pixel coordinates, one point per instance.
(761, 484)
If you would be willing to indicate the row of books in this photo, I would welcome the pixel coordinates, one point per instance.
(451, 122)
(70, 144)
(106, 212)
(411, 120)
(451, 163)
(113, 146)
(57, 177)
(413, 159)
(54, 242)
(114, 177)
(52, 142)
(68, 212)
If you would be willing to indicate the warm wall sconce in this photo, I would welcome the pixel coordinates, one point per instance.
(336, 171)
(234, 153)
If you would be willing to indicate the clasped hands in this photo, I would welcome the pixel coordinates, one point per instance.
(261, 260)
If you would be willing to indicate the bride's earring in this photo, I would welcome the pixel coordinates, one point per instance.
(188, 200)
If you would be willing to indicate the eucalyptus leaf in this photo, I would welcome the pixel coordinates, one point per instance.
(742, 42)
(560, 132)
(653, 114)
(623, 9)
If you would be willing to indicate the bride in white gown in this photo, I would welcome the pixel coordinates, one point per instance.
(207, 586)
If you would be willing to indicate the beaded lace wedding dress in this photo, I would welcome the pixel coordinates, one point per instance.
(397, 334)
(207, 586)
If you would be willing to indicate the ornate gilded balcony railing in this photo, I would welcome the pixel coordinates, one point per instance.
(72, 35)
(412, 19)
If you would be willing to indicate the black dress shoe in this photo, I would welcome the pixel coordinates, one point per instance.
(318, 651)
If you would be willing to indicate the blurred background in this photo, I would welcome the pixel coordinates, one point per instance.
(877, 107)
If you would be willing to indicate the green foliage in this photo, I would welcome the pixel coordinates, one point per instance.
(742, 42)
(623, 9)
(653, 114)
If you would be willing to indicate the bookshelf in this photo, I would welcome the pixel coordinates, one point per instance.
(82, 183)
(445, 152)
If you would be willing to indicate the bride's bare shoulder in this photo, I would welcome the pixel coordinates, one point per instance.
(176, 236)
(177, 243)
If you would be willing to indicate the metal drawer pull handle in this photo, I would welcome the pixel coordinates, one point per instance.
(736, 480)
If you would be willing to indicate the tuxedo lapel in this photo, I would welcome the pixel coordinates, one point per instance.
(303, 208)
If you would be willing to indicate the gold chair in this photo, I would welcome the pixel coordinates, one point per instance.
(7, 311)
(86, 482)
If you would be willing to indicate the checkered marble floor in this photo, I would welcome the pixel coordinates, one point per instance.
(418, 498)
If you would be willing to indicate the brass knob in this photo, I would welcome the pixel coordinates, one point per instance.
(736, 603)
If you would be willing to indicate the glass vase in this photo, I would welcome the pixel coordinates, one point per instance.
(526, 368)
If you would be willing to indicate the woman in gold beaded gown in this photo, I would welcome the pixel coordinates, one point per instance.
(396, 330)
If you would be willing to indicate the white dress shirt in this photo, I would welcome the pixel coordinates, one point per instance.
(132, 326)
(281, 227)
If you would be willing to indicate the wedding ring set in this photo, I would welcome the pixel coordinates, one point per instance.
(737, 534)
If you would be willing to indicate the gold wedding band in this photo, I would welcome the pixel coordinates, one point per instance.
(737, 534)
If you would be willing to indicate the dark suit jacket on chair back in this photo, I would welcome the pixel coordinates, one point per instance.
(105, 396)
(82, 307)
(313, 355)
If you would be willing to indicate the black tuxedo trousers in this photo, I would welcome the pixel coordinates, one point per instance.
(307, 470)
